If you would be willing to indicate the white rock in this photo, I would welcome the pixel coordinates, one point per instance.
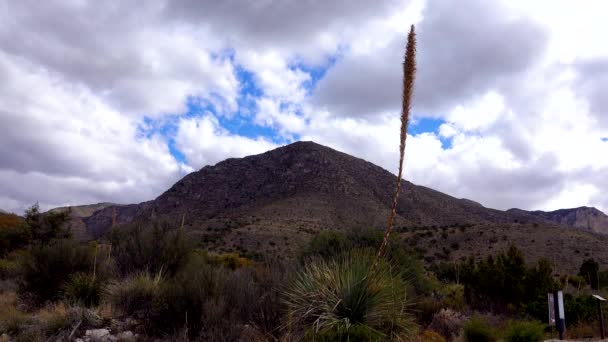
(98, 335)
(126, 336)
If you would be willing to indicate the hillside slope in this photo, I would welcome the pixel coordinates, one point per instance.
(273, 203)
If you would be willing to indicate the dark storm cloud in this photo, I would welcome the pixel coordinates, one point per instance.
(276, 24)
(465, 49)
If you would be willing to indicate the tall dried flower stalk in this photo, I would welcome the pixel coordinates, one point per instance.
(409, 73)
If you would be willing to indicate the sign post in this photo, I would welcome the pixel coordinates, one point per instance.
(600, 315)
(560, 317)
(551, 304)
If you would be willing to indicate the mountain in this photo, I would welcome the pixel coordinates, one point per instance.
(77, 214)
(275, 201)
(303, 183)
(585, 218)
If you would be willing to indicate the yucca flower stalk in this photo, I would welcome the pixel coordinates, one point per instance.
(409, 73)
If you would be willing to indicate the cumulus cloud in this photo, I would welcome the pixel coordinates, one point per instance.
(205, 142)
(107, 106)
(593, 81)
(125, 54)
(61, 144)
(465, 49)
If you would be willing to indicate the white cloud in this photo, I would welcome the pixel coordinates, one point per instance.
(205, 142)
(61, 144)
(520, 92)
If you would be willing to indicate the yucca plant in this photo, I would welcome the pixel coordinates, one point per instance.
(341, 300)
(82, 289)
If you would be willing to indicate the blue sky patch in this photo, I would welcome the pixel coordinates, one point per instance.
(429, 125)
(605, 139)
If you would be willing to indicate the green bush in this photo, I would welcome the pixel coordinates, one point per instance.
(346, 299)
(524, 332)
(135, 295)
(45, 227)
(82, 289)
(478, 330)
(13, 237)
(46, 268)
(158, 248)
(9, 268)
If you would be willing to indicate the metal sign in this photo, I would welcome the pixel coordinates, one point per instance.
(551, 309)
(560, 304)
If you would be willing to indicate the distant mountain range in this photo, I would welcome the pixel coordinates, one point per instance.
(584, 218)
(273, 202)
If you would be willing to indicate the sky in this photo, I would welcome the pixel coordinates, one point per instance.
(114, 101)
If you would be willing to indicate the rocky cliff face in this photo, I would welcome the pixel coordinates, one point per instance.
(584, 218)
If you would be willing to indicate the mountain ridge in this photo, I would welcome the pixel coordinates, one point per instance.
(274, 202)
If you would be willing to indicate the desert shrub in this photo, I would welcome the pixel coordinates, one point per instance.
(345, 299)
(411, 270)
(603, 279)
(135, 295)
(583, 330)
(478, 330)
(424, 308)
(82, 289)
(504, 283)
(448, 323)
(577, 281)
(431, 336)
(217, 303)
(13, 234)
(44, 227)
(589, 271)
(524, 332)
(9, 268)
(229, 260)
(46, 268)
(580, 309)
(157, 248)
(326, 244)
(53, 319)
(453, 296)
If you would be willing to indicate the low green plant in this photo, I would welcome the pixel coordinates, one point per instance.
(478, 330)
(83, 289)
(345, 299)
(524, 331)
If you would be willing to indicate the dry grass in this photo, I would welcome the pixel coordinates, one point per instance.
(11, 318)
(53, 318)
